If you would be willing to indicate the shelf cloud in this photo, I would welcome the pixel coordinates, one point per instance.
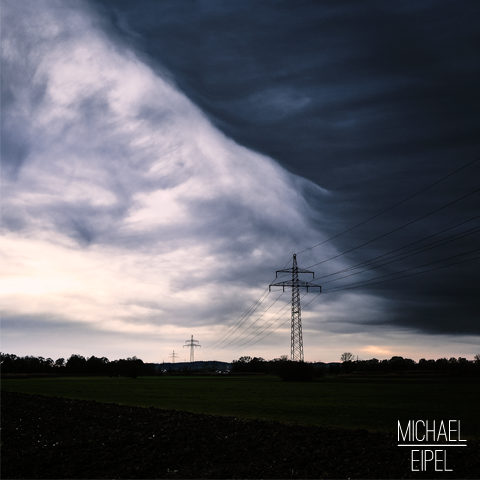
(148, 194)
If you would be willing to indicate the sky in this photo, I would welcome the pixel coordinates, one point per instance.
(162, 160)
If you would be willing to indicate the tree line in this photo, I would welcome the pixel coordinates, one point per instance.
(396, 364)
(76, 365)
(284, 368)
(349, 365)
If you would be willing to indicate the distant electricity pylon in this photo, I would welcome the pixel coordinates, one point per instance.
(173, 355)
(296, 343)
(191, 343)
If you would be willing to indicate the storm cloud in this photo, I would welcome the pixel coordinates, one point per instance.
(160, 160)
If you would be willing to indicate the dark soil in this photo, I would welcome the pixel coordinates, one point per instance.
(47, 437)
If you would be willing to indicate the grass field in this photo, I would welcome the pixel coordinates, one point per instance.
(375, 404)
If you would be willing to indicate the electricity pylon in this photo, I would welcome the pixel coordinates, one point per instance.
(191, 344)
(173, 355)
(296, 341)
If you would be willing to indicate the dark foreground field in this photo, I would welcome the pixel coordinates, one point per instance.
(48, 437)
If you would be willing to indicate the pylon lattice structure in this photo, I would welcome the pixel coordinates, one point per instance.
(192, 344)
(173, 355)
(296, 340)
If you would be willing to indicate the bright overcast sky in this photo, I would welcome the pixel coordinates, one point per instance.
(161, 160)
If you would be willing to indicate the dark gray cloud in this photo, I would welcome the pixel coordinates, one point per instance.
(321, 87)
(370, 101)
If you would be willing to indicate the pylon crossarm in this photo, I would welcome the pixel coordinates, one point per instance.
(291, 283)
(290, 270)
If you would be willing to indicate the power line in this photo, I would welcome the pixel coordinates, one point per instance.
(349, 286)
(278, 315)
(269, 321)
(234, 341)
(260, 300)
(255, 304)
(404, 276)
(359, 286)
(346, 287)
(366, 262)
(392, 207)
(396, 229)
(262, 327)
(244, 316)
(405, 254)
(281, 325)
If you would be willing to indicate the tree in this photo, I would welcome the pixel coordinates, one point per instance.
(347, 357)
(60, 362)
(96, 365)
(76, 364)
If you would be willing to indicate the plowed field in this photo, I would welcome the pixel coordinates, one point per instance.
(49, 437)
